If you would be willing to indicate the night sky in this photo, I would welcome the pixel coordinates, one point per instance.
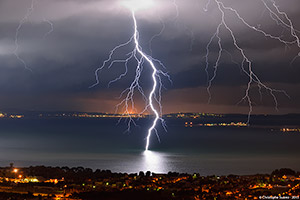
(63, 62)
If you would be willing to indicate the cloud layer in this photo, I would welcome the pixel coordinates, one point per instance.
(63, 62)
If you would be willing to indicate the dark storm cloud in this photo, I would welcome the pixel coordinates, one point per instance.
(63, 63)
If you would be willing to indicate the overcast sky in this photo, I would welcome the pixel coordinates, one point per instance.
(63, 62)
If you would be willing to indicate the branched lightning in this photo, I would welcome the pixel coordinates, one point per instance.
(22, 21)
(141, 58)
(289, 26)
(176, 9)
(216, 63)
(187, 29)
(246, 64)
(51, 27)
(156, 35)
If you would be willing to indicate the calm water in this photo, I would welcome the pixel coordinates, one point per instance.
(103, 144)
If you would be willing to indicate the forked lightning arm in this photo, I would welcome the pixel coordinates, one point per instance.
(21, 23)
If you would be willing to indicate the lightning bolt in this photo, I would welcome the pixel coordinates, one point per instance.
(188, 30)
(141, 58)
(21, 23)
(176, 9)
(51, 27)
(289, 26)
(156, 35)
(246, 64)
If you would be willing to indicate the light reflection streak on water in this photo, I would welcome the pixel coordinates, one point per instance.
(154, 161)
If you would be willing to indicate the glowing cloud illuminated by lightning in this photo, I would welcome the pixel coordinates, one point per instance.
(135, 5)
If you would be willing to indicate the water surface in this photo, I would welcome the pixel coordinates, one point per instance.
(103, 144)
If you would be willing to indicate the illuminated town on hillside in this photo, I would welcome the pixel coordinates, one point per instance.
(63, 183)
